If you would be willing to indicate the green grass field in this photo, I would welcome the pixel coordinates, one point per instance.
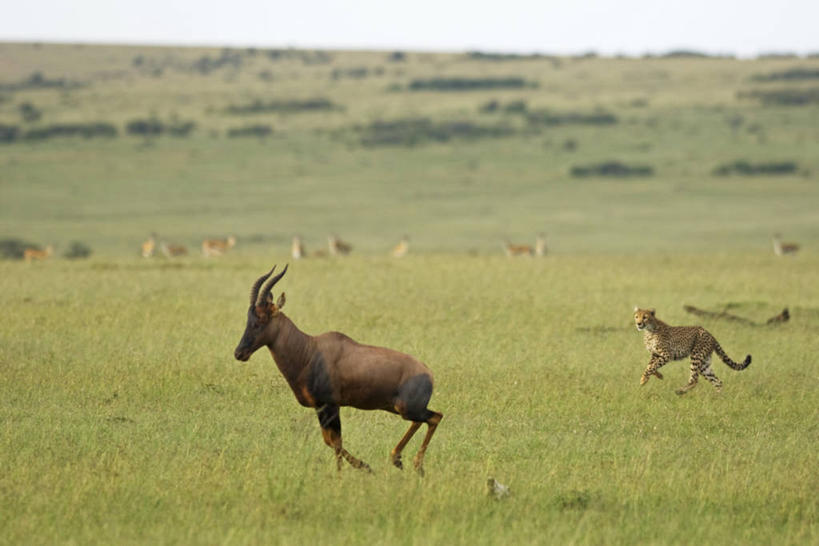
(125, 419)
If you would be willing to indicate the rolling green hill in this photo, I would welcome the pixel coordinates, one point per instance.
(460, 151)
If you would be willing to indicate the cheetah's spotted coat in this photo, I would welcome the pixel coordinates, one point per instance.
(667, 343)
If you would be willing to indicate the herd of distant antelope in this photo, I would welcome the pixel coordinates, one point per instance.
(336, 247)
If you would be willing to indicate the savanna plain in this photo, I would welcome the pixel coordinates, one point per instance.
(657, 182)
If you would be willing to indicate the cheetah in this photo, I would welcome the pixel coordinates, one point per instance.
(666, 343)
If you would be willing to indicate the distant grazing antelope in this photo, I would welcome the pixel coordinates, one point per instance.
(217, 247)
(338, 247)
(540, 245)
(782, 249)
(331, 370)
(297, 251)
(149, 246)
(518, 250)
(31, 254)
(400, 250)
(172, 250)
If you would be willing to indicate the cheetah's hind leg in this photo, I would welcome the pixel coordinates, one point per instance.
(708, 373)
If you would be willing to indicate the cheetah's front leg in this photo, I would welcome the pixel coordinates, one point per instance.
(656, 362)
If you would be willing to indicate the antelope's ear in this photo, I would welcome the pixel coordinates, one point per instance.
(280, 302)
(651, 311)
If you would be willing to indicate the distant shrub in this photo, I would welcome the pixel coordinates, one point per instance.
(148, 127)
(784, 97)
(8, 133)
(413, 131)
(777, 55)
(258, 131)
(154, 127)
(355, 73)
(745, 168)
(484, 56)
(180, 129)
(227, 58)
(282, 106)
(614, 169)
(397, 57)
(515, 107)
(687, 54)
(97, 129)
(792, 74)
(13, 248)
(469, 84)
(29, 112)
(38, 81)
(546, 117)
(489, 107)
(77, 250)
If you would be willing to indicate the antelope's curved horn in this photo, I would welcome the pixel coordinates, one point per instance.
(254, 291)
(268, 285)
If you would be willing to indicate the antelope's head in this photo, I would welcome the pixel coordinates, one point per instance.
(644, 319)
(261, 327)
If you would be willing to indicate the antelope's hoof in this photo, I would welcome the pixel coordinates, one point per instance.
(397, 462)
(364, 466)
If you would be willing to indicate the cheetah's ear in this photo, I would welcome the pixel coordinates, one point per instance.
(636, 308)
(651, 311)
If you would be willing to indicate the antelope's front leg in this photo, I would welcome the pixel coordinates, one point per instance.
(656, 362)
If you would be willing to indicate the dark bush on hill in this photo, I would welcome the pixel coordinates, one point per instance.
(227, 58)
(12, 248)
(258, 131)
(29, 112)
(469, 84)
(548, 118)
(413, 131)
(792, 74)
(784, 97)
(149, 127)
(8, 133)
(38, 81)
(96, 129)
(77, 250)
(282, 106)
(488, 56)
(614, 169)
(355, 73)
(744, 168)
(397, 57)
(154, 127)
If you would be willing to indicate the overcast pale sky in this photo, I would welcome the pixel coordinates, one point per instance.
(634, 27)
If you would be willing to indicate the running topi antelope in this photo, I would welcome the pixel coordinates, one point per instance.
(331, 370)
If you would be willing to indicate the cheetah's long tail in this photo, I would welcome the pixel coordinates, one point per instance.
(735, 365)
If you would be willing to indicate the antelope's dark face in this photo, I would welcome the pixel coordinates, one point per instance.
(262, 326)
(644, 319)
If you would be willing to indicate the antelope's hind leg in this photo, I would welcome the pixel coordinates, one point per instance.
(330, 423)
(411, 404)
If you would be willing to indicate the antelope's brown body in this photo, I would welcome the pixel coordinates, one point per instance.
(332, 370)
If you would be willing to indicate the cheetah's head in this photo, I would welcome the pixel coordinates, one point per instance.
(644, 319)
